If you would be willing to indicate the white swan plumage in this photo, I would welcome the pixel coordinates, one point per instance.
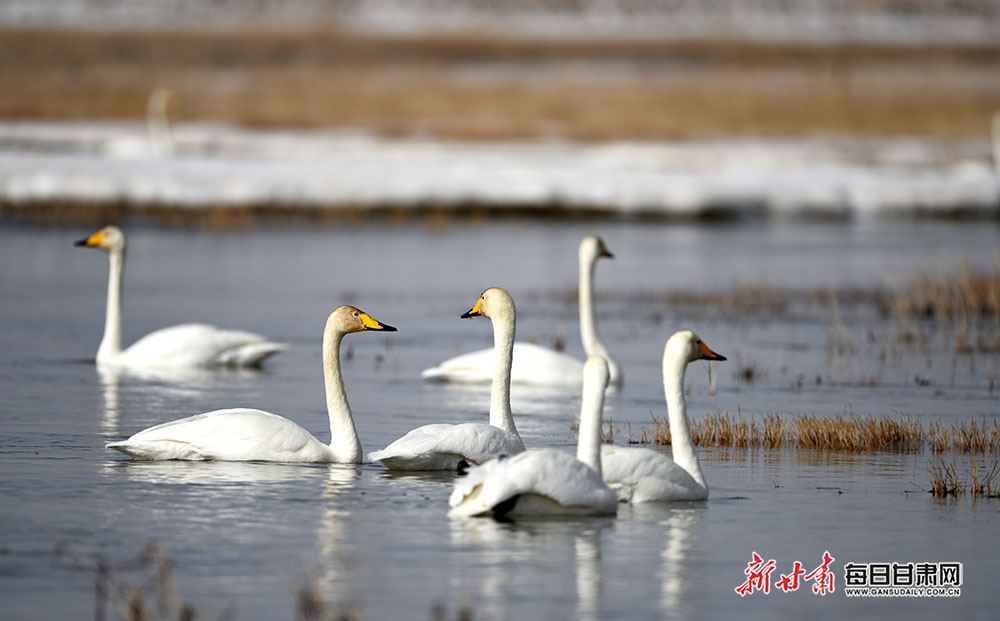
(244, 434)
(534, 364)
(183, 346)
(450, 447)
(643, 475)
(545, 482)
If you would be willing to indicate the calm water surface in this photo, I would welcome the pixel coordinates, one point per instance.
(244, 535)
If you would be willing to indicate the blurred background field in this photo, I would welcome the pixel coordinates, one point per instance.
(908, 88)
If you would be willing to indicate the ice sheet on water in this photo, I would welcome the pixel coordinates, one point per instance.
(222, 165)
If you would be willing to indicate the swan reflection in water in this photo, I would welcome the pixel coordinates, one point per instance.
(676, 525)
(154, 385)
(507, 553)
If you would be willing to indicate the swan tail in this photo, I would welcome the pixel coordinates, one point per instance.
(251, 354)
(157, 451)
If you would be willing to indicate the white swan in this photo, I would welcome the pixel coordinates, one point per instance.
(538, 365)
(242, 434)
(545, 482)
(643, 475)
(450, 447)
(183, 346)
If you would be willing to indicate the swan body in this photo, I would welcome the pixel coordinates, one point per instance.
(538, 365)
(184, 346)
(242, 434)
(643, 475)
(541, 367)
(545, 482)
(446, 447)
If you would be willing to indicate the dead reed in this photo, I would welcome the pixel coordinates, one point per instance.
(967, 295)
(945, 480)
(846, 432)
(138, 590)
(965, 437)
(144, 589)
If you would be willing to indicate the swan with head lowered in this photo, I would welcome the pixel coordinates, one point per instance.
(451, 447)
(183, 346)
(534, 364)
(243, 434)
(545, 482)
(643, 475)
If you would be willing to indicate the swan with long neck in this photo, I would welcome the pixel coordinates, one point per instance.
(534, 364)
(545, 482)
(451, 447)
(643, 475)
(243, 434)
(182, 346)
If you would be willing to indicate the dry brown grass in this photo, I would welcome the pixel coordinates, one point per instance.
(137, 590)
(965, 437)
(447, 86)
(945, 480)
(959, 297)
(846, 432)
(851, 433)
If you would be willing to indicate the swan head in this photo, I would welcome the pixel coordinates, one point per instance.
(593, 248)
(685, 345)
(493, 303)
(346, 319)
(108, 239)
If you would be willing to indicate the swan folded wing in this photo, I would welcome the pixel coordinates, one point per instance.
(199, 345)
(532, 364)
(559, 477)
(644, 475)
(237, 434)
(442, 446)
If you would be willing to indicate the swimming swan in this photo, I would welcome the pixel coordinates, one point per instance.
(643, 475)
(545, 482)
(538, 365)
(184, 346)
(242, 434)
(450, 447)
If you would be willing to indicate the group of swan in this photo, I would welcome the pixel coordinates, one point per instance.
(504, 479)
(538, 365)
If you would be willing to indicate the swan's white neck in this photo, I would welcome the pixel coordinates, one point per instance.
(680, 435)
(588, 446)
(503, 358)
(344, 442)
(111, 343)
(591, 339)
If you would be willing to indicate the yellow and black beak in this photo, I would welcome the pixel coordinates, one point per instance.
(93, 240)
(372, 324)
(708, 354)
(475, 311)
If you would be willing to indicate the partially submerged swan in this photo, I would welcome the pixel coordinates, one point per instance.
(538, 365)
(643, 475)
(182, 346)
(545, 482)
(242, 434)
(450, 447)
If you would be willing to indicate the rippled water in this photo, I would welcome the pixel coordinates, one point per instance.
(244, 535)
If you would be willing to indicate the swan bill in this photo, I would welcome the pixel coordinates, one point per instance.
(93, 240)
(475, 311)
(708, 354)
(372, 324)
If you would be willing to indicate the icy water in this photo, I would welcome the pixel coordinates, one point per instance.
(246, 536)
